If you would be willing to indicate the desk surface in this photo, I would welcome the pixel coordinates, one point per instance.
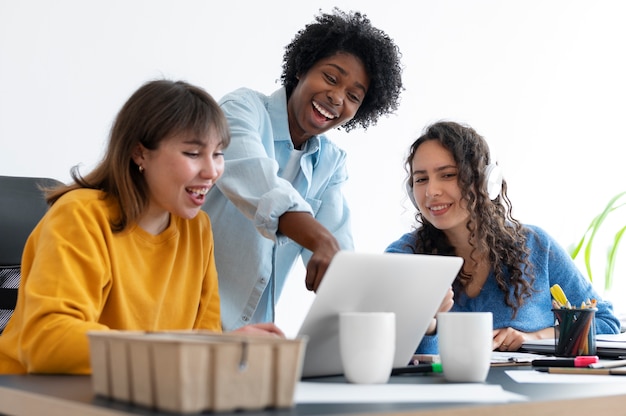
(67, 395)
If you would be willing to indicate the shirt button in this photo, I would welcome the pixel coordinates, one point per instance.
(263, 280)
(245, 318)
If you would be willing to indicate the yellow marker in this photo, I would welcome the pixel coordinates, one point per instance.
(558, 294)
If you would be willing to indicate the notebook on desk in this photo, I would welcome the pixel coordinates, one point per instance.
(410, 285)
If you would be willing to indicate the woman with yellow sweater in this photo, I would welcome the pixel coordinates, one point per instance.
(126, 246)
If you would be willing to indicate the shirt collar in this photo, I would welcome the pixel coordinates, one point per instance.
(277, 108)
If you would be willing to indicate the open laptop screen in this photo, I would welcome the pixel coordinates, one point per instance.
(410, 285)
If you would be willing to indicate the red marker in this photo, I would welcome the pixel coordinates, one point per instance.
(580, 361)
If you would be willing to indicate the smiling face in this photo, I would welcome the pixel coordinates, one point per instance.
(327, 95)
(436, 189)
(179, 173)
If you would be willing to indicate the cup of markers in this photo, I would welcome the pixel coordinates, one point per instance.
(575, 326)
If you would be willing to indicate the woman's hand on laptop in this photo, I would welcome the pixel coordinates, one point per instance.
(260, 329)
(446, 305)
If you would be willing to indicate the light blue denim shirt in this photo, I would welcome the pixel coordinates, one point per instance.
(253, 260)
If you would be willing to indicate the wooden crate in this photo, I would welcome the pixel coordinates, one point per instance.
(195, 371)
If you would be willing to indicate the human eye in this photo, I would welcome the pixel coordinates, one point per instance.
(449, 174)
(217, 151)
(192, 154)
(419, 179)
(330, 78)
(354, 97)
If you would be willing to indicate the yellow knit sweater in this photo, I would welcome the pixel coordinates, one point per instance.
(78, 275)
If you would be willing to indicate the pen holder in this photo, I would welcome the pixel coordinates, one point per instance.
(576, 332)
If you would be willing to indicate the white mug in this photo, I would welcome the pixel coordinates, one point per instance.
(465, 345)
(368, 346)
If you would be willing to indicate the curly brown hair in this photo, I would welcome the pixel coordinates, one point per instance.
(491, 225)
(352, 33)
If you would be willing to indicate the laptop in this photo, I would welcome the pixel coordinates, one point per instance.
(411, 285)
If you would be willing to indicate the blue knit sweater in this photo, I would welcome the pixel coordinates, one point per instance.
(552, 265)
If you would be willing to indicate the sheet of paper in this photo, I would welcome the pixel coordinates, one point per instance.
(532, 376)
(511, 358)
(497, 358)
(311, 392)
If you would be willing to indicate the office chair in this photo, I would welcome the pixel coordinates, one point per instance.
(22, 205)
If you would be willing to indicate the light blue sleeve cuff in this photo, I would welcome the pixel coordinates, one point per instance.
(272, 205)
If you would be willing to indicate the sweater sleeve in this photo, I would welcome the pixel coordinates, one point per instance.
(563, 271)
(428, 345)
(65, 283)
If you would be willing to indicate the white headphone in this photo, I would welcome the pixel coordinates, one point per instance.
(493, 183)
(493, 180)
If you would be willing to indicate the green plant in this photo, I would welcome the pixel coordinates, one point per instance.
(586, 242)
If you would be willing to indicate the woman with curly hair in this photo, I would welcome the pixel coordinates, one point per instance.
(281, 197)
(463, 210)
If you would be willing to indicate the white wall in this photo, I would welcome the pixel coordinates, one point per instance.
(542, 80)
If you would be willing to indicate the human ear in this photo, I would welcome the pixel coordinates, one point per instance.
(138, 154)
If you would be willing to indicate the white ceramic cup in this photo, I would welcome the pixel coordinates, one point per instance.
(465, 345)
(368, 345)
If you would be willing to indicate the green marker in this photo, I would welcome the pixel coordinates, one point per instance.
(418, 368)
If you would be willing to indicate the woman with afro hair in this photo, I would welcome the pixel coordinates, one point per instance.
(463, 209)
(281, 197)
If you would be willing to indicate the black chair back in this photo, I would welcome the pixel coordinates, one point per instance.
(22, 205)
